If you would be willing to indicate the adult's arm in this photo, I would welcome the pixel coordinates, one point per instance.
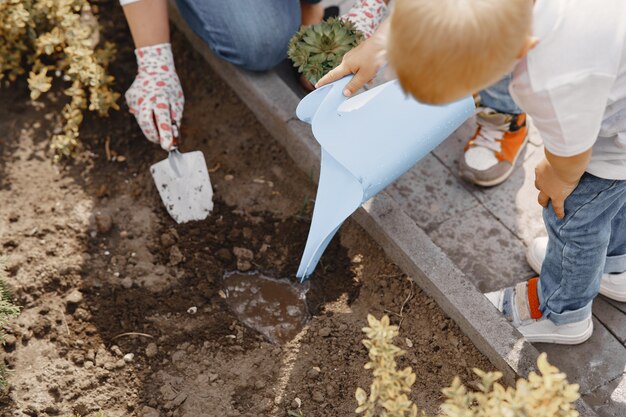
(148, 21)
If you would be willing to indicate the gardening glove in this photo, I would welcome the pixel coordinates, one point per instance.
(156, 96)
(367, 15)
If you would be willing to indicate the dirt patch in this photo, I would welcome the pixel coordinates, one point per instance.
(122, 310)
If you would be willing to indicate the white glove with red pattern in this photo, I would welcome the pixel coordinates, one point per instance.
(367, 15)
(156, 96)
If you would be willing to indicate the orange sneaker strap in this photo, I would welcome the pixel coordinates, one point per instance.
(533, 299)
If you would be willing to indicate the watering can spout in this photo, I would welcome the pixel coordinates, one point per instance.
(367, 142)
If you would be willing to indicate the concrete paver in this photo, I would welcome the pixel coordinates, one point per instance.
(611, 317)
(430, 203)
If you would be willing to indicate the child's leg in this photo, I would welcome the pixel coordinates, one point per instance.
(577, 248)
(498, 98)
(616, 255)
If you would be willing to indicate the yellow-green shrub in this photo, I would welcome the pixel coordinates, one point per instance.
(58, 37)
(547, 394)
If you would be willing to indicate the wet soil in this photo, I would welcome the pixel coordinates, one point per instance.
(123, 310)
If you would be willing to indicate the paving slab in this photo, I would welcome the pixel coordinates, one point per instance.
(514, 203)
(592, 364)
(491, 256)
(620, 306)
(611, 317)
(430, 194)
(609, 400)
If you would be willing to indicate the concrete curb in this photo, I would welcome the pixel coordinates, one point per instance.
(407, 245)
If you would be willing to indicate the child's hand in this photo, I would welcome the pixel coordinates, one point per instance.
(364, 61)
(553, 188)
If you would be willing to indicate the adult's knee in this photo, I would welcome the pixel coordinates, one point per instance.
(251, 34)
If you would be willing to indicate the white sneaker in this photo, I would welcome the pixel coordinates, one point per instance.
(612, 286)
(516, 305)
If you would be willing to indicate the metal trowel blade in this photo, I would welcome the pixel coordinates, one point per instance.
(184, 185)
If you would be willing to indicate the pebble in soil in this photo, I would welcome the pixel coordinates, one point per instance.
(276, 308)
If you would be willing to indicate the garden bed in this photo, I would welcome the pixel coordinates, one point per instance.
(101, 272)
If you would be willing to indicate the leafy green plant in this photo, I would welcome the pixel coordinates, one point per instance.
(317, 49)
(544, 394)
(60, 38)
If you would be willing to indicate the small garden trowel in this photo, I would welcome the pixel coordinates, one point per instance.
(184, 185)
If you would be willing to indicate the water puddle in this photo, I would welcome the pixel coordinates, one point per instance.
(276, 308)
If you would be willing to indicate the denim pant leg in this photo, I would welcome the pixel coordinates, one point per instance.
(252, 34)
(497, 97)
(577, 248)
(616, 254)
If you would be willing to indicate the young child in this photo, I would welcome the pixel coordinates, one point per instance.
(569, 60)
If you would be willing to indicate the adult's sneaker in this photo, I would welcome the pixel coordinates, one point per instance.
(612, 286)
(490, 155)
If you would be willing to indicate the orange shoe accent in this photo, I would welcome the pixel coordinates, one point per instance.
(533, 299)
(513, 140)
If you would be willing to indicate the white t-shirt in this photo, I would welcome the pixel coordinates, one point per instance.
(573, 83)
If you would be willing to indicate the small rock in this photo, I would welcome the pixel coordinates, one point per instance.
(151, 350)
(178, 355)
(177, 402)
(127, 283)
(243, 254)
(128, 358)
(243, 265)
(260, 384)
(314, 372)
(9, 342)
(167, 240)
(213, 377)
(116, 350)
(408, 342)
(192, 310)
(149, 412)
(325, 332)
(318, 396)
(224, 255)
(167, 392)
(75, 297)
(296, 403)
(104, 223)
(228, 177)
(343, 327)
(120, 364)
(176, 256)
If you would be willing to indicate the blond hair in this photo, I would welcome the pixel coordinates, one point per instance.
(443, 50)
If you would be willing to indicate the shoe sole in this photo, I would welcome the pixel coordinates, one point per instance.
(613, 295)
(503, 177)
(563, 339)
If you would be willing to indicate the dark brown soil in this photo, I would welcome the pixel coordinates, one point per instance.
(106, 279)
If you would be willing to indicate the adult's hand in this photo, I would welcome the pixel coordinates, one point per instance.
(156, 96)
(364, 61)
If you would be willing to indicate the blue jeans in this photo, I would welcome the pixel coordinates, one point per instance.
(252, 34)
(588, 242)
(497, 97)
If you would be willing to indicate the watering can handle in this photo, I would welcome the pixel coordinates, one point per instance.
(330, 95)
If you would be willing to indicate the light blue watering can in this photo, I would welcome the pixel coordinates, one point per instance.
(367, 142)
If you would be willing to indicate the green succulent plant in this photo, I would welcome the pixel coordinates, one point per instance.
(317, 49)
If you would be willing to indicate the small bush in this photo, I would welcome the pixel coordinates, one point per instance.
(58, 37)
(547, 394)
